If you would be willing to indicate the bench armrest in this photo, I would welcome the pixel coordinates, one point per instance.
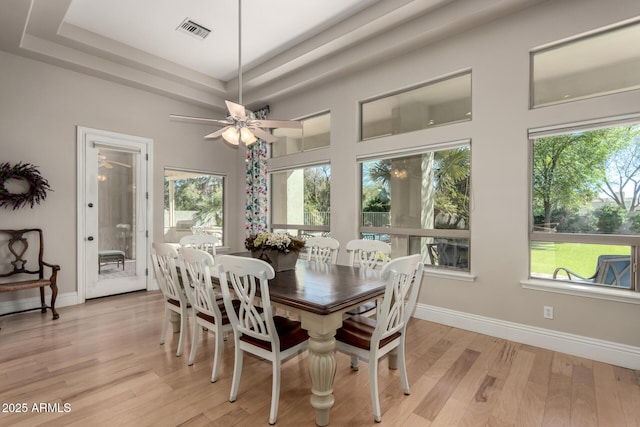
(54, 270)
(570, 274)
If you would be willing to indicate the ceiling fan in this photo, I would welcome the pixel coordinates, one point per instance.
(240, 124)
(103, 162)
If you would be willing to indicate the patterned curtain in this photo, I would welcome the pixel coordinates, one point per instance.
(257, 191)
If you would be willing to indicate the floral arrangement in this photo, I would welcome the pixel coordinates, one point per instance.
(38, 186)
(279, 241)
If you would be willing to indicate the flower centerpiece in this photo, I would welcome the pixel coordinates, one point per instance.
(278, 249)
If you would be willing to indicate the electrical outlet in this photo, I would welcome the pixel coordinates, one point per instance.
(548, 312)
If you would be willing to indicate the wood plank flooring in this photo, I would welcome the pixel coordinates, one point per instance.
(104, 362)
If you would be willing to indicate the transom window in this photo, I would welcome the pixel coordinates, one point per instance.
(315, 133)
(586, 203)
(419, 203)
(600, 64)
(436, 103)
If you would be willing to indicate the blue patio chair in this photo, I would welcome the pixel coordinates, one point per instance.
(611, 270)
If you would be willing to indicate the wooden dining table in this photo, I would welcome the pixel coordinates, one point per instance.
(320, 294)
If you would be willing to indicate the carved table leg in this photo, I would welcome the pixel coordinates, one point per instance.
(322, 368)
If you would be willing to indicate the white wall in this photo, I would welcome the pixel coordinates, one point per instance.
(498, 55)
(40, 107)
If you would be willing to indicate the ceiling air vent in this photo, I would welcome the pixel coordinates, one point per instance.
(194, 29)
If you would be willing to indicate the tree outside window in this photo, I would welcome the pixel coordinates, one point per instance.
(585, 186)
(193, 203)
(424, 193)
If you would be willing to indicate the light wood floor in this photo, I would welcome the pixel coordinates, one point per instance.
(104, 360)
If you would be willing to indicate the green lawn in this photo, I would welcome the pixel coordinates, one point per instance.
(578, 257)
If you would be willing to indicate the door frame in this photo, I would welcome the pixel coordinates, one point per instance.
(83, 137)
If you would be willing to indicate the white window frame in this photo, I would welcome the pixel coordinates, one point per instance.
(633, 241)
(442, 271)
(299, 227)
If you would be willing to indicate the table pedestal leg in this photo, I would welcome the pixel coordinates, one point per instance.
(175, 322)
(393, 359)
(322, 368)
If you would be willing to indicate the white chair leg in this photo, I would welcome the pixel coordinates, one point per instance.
(403, 369)
(183, 331)
(237, 372)
(165, 324)
(373, 386)
(275, 392)
(194, 344)
(216, 354)
(355, 361)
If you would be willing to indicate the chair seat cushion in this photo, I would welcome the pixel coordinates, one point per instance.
(176, 302)
(357, 331)
(225, 317)
(289, 331)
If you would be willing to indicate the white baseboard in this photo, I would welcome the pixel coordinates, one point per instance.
(604, 351)
(63, 300)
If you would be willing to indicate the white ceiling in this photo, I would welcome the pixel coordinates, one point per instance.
(269, 27)
(287, 45)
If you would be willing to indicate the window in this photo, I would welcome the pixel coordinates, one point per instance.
(419, 203)
(301, 200)
(586, 203)
(193, 203)
(600, 64)
(315, 133)
(437, 103)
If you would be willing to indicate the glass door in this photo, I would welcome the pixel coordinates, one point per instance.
(115, 213)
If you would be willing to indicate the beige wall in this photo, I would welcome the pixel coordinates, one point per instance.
(498, 55)
(40, 107)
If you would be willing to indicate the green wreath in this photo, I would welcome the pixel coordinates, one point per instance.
(38, 186)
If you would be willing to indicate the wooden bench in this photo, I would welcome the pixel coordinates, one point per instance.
(15, 274)
(111, 256)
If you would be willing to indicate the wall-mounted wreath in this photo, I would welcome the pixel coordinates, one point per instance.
(38, 186)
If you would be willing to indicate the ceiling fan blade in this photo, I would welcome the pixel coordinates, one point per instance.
(263, 135)
(199, 120)
(217, 133)
(236, 111)
(106, 164)
(292, 124)
(119, 164)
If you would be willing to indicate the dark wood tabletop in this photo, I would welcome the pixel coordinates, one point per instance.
(324, 288)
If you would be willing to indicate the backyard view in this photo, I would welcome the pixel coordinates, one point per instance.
(423, 193)
(193, 203)
(585, 183)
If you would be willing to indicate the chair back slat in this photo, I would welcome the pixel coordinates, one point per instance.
(404, 277)
(248, 279)
(196, 272)
(204, 242)
(322, 249)
(164, 258)
(365, 253)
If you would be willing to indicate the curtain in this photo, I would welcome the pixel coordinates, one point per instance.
(257, 190)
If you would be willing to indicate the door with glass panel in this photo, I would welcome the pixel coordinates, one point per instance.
(114, 211)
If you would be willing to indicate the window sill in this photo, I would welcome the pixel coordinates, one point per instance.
(586, 291)
(452, 275)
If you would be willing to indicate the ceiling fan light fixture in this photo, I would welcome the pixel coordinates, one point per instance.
(231, 135)
(247, 136)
